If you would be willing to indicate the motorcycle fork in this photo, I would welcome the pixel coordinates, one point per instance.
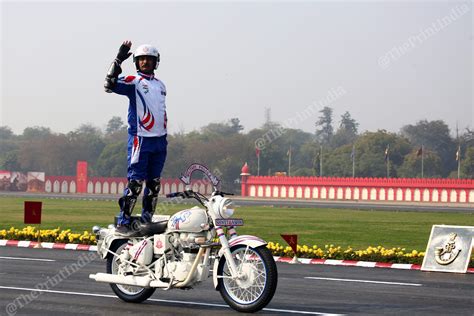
(227, 254)
(232, 232)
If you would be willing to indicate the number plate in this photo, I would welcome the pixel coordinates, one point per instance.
(230, 222)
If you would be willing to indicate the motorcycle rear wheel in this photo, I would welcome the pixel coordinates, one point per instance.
(128, 293)
(256, 289)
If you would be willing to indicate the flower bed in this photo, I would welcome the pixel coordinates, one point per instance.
(372, 253)
(48, 235)
(378, 254)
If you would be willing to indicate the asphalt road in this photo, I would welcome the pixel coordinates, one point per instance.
(354, 205)
(302, 289)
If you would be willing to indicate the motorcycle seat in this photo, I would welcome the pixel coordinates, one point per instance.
(148, 229)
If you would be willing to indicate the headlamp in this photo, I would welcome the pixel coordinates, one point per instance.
(223, 207)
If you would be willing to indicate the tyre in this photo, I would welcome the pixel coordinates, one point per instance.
(128, 293)
(255, 289)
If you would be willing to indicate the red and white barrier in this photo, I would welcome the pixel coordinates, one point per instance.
(46, 245)
(348, 263)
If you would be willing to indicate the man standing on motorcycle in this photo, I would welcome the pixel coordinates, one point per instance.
(146, 129)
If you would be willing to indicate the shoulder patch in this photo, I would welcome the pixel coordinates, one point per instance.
(129, 78)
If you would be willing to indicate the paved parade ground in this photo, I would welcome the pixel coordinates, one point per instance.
(27, 288)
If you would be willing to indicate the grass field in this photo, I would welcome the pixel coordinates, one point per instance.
(355, 228)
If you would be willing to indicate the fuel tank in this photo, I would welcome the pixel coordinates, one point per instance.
(189, 220)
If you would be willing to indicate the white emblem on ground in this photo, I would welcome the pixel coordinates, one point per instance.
(449, 252)
(449, 249)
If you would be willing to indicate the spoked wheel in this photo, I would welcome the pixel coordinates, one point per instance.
(128, 293)
(257, 283)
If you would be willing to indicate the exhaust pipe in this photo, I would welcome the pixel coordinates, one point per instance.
(117, 279)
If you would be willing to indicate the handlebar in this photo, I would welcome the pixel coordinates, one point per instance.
(189, 194)
(221, 193)
(196, 195)
(184, 195)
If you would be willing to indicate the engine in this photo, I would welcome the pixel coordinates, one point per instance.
(176, 270)
(177, 253)
(192, 240)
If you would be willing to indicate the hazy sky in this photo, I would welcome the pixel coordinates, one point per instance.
(397, 62)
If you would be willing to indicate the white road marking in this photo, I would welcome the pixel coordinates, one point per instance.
(27, 259)
(159, 300)
(364, 281)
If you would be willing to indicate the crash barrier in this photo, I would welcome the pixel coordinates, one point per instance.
(365, 189)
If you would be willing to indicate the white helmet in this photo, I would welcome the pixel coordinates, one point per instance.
(146, 50)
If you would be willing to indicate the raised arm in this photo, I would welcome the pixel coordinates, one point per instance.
(115, 70)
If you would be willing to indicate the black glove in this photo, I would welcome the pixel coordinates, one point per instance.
(123, 53)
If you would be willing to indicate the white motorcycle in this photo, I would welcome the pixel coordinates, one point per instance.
(179, 252)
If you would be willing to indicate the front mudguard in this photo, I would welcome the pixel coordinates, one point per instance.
(247, 240)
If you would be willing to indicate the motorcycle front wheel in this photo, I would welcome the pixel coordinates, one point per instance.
(128, 293)
(257, 284)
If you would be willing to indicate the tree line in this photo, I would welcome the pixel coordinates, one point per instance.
(336, 148)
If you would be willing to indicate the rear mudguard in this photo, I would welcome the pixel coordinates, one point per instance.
(106, 244)
(247, 240)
